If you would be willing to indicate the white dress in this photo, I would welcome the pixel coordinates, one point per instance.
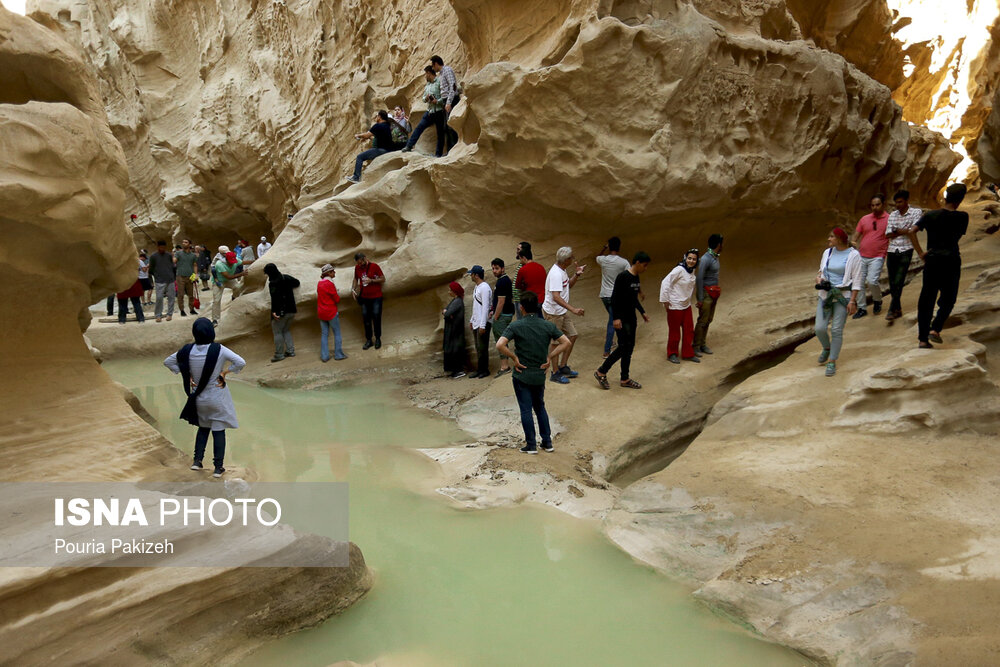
(215, 404)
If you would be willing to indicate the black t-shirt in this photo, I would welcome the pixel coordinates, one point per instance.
(504, 287)
(383, 135)
(944, 228)
(625, 297)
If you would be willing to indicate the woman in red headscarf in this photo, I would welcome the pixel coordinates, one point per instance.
(839, 280)
(454, 333)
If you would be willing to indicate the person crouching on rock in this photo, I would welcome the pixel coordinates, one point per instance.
(209, 405)
(676, 295)
(839, 280)
(282, 311)
(381, 132)
(454, 332)
(532, 337)
(327, 300)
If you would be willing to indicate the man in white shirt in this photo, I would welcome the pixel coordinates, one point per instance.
(611, 264)
(901, 222)
(482, 299)
(262, 247)
(556, 308)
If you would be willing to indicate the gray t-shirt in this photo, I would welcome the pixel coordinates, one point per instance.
(611, 266)
(185, 263)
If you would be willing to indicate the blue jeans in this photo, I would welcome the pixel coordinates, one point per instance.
(369, 154)
(835, 321)
(435, 118)
(532, 397)
(324, 340)
(610, 337)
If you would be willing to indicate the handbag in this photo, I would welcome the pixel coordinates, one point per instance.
(713, 291)
(196, 302)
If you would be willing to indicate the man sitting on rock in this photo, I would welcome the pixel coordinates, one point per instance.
(381, 132)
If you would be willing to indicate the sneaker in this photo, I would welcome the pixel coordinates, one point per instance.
(405, 149)
(674, 359)
(924, 345)
(339, 358)
(877, 308)
(705, 349)
(351, 179)
(367, 345)
(194, 312)
(823, 356)
(218, 471)
(831, 368)
(169, 317)
(159, 319)
(568, 372)
(502, 371)
(696, 360)
(215, 323)
(197, 465)
(547, 447)
(528, 449)
(935, 337)
(560, 378)
(861, 313)
(289, 354)
(275, 360)
(457, 374)
(890, 316)
(378, 343)
(324, 360)
(474, 376)
(697, 353)
(183, 314)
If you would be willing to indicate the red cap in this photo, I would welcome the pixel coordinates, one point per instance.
(230, 257)
(840, 234)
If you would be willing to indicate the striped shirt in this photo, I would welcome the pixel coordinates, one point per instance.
(898, 221)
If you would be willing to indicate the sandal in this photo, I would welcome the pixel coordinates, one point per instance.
(602, 380)
(631, 384)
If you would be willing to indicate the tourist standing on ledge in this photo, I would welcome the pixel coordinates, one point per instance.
(161, 266)
(327, 300)
(840, 279)
(433, 116)
(707, 287)
(381, 132)
(283, 311)
(902, 221)
(611, 265)
(676, 295)
(135, 294)
(246, 254)
(147, 284)
(450, 95)
(367, 289)
(482, 298)
(227, 272)
(454, 332)
(942, 263)
(624, 303)
(209, 405)
(872, 243)
(185, 263)
(556, 307)
(262, 247)
(502, 310)
(534, 354)
(530, 275)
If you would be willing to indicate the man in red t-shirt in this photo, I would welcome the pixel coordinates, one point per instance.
(531, 275)
(873, 245)
(367, 289)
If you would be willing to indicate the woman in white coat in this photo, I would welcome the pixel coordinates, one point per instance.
(839, 280)
(209, 405)
(676, 295)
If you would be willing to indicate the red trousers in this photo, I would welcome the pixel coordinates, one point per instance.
(677, 320)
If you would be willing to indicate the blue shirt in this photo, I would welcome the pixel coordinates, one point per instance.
(836, 266)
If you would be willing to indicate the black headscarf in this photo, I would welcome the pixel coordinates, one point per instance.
(272, 272)
(204, 332)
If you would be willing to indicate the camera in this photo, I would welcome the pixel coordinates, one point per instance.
(824, 285)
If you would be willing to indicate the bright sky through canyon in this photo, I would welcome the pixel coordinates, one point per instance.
(16, 6)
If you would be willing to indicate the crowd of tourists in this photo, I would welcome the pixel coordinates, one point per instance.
(528, 315)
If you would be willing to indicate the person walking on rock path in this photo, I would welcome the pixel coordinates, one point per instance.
(611, 264)
(381, 132)
(482, 298)
(502, 309)
(161, 267)
(708, 292)
(840, 280)
(677, 295)
(530, 275)
(942, 263)
(433, 116)
(204, 267)
(133, 293)
(624, 303)
(227, 272)
(556, 307)
(327, 300)
(367, 289)
(533, 355)
(454, 332)
(147, 283)
(281, 288)
(873, 244)
(186, 265)
(209, 405)
(902, 221)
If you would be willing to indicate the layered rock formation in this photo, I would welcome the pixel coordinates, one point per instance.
(62, 190)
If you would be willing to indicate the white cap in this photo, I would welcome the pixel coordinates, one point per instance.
(224, 249)
(263, 238)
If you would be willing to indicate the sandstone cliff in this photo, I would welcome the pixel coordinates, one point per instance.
(62, 191)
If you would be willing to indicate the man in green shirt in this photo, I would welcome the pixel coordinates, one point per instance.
(227, 270)
(185, 261)
(532, 337)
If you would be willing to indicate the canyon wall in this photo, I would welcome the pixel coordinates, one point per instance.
(63, 178)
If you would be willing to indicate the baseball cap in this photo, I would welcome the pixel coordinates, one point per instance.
(477, 270)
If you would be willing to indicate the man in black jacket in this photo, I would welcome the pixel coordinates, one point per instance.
(282, 310)
(624, 303)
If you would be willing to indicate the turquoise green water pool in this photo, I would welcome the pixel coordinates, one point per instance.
(518, 586)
